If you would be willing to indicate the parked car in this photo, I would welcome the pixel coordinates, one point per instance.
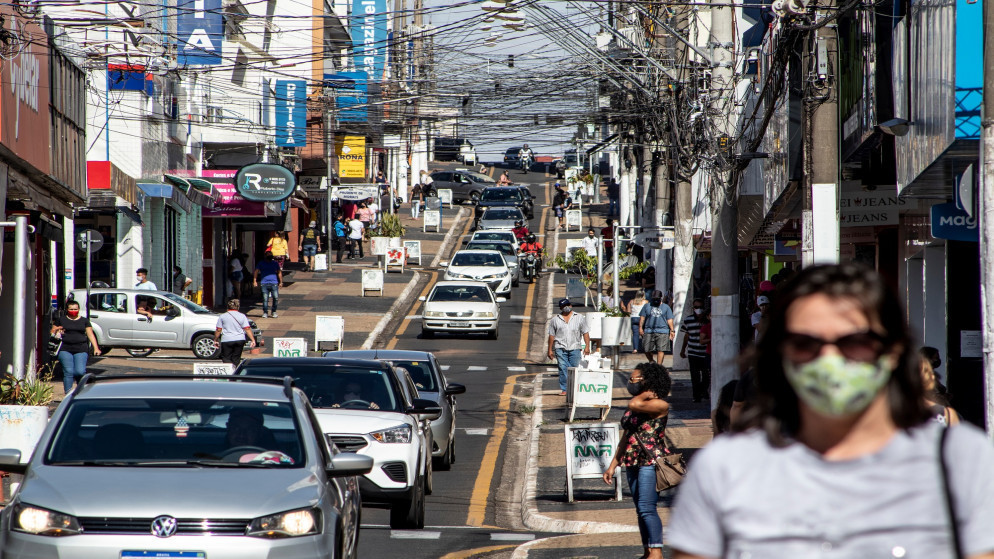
(499, 218)
(168, 466)
(507, 196)
(175, 323)
(495, 235)
(511, 157)
(373, 409)
(431, 384)
(505, 248)
(455, 149)
(487, 266)
(465, 185)
(461, 306)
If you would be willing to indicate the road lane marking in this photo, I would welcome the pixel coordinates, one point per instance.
(530, 298)
(414, 535)
(446, 367)
(481, 488)
(477, 431)
(408, 319)
(511, 537)
(516, 369)
(478, 552)
(521, 317)
(476, 368)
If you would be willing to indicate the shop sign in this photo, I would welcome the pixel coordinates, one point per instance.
(350, 90)
(231, 204)
(104, 175)
(351, 156)
(25, 120)
(200, 27)
(354, 193)
(291, 113)
(950, 222)
(369, 36)
(863, 208)
(312, 183)
(265, 182)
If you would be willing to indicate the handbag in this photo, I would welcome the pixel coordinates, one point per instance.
(54, 345)
(670, 468)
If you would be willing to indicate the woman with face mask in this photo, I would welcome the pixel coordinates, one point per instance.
(644, 425)
(837, 457)
(75, 331)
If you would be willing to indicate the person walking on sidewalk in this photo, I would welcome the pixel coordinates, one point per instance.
(417, 199)
(634, 309)
(310, 244)
(644, 425)
(341, 238)
(569, 335)
(356, 229)
(76, 333)
(232, 330)
(656, 327)
(269, 277)
(840, 418)
(277, 245)
(694, 351)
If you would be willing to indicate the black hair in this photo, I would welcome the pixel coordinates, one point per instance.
(776, 407)
(177, 269)
(142, 271)
(932, 354)
(722, 413)
(656, 378)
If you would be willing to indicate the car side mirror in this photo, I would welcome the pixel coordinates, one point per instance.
(348, 464)
(172, 311)
(452, 389)
(10, 459)
(425, 409)
(422, 298)
(501, 299)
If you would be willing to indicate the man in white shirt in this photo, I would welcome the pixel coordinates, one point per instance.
(355, 237)
(143, 283)
(589, 243)
(233, 329)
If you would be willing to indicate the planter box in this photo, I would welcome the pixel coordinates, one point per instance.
(616, 330)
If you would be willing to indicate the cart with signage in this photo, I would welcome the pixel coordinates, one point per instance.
(589, 450)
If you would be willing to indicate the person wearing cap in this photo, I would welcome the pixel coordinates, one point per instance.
(758, 317)
(310, 244)
(569, 339)
(656, 327)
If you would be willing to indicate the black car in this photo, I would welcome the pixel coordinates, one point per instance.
(465, 185)
(503, 196)
(511, 156)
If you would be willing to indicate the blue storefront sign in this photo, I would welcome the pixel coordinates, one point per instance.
(350, 95)
(291, 113)
(200, 31)
(368, 27)
(950, 222)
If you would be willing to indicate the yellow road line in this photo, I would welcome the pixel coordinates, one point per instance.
(466, 554)
(407, 322)
(529, 301)
(481, 488)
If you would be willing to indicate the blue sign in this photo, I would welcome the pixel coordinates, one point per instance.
(368, 26)
(950, 222)
(350, 95)
(291, 113)
(200, 32)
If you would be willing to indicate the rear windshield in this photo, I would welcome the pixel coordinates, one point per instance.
(420, 372)
(502, 247)
(501, 195)
(477, 259)
(178, 432)
(493, 236)
(332, 387)
(502, 213)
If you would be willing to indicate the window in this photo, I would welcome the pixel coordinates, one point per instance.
(109, 302)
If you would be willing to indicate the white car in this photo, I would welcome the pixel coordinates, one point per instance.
(373, 409)
(460, 306)
(496, 235)
(487, 266)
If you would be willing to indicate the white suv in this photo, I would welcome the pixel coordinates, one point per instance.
(487, 266)
(373, 409)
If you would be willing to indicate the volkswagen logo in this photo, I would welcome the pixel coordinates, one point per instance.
(164, 526)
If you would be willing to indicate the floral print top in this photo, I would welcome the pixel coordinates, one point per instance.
(650, 432)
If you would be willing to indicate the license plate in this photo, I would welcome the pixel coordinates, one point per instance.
(165, 554)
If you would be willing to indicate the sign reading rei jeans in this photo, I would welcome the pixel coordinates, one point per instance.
(291, 113)
(289, 347)
(589, 450)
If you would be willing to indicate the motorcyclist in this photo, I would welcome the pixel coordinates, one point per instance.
(532, 246)
(520, 230)
(525, 156)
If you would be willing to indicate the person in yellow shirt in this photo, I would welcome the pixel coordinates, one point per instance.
(277, 245)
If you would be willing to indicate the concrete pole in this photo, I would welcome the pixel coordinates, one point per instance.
(986, 215)
(20, 293)
(824, 153)
(625, 190)
(683, 256)
(724, 236)
(328, 139)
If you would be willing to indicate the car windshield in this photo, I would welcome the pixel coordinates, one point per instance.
(420, 372)
(332, 387)
(502, 213)
(479, 177)
(493, 236)
(502, 247)
(185, 303)
(512, 151)
(501, 195)
(477, 259)
(178, 432)
(464, 293)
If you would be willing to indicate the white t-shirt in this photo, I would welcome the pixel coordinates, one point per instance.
(635, 310)
(589, 244)
(355, 227)
(745, 498)
(232, 325)
(756, 318)
(146, 286)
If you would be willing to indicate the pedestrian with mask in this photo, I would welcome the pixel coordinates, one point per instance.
(634, 314)
(589, 243)
(656, 327)
(269, 277)
(232, 330)
(840, 418)
(180, 281)
(76, 333)
(310, 244)
(143, 283)
(644, 424)
(695, 352)
(569, 336)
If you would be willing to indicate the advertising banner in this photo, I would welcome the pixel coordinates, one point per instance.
(265, 182)
(231, 203)
(368, 26)
(350, 89)
(328, 329)
(26, 121)
(291, 113)
(289, 347)
(589, 450)
(200, 28)
(351, 156)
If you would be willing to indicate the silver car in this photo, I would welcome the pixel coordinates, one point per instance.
(431, 384)
(175, 322)
(499, 218)
(169, 466)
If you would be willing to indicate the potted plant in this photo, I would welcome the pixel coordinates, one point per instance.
(388, 233)
(24, 410)
(615, 329)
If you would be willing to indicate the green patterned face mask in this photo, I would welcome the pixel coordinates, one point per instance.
(835, 386)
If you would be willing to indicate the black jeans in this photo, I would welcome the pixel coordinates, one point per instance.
(700, 377)
(231, 352)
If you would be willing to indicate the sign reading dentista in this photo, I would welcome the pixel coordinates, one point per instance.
(265, 182)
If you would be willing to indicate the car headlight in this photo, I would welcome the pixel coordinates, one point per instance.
(290, 524)
(43, 522)
(398, 434)
(434, 314)
(456, 275)
(482, 314)
(501, 275)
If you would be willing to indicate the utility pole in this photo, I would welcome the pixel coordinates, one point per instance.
(986, 213)
(328, 137)
(725, 216)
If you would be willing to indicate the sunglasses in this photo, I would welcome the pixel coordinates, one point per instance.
(864, 347)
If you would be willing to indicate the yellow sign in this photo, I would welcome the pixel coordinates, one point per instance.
(351, 156)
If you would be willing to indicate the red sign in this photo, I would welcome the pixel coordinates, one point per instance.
(232, 204)
(25, 120)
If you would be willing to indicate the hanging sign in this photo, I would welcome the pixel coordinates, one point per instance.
(291, 113)
(354, 193)
(200, 28)
(351, 156)
(265, 182)
(950, 222)
(369, 36)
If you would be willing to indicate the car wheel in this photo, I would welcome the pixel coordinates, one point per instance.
(410, 513)
(474, 196)
(515, 283)
(492, 334)
(204, 347)
(444, 462)
(430, 478)
(427, 334)
(138, 351)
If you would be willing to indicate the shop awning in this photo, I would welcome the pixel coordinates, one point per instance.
(196, 196)
(207, 187)
(171, 194)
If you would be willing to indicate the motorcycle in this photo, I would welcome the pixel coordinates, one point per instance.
(525, 162)
(529, 266)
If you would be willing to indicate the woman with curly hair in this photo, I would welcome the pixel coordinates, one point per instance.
(645, 428)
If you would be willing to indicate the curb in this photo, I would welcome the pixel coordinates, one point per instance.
(401, 300)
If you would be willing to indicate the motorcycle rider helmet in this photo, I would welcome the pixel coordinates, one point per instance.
(530, 238)
(518, 223)
(525, 146)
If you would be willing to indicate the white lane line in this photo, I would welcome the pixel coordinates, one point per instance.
(414, 535)
(387, 527)
(516, 369)
(506, 537)
(446, 367)
(477, 431)
(413, 317)
(551, 370)
(521, 317)
(476, 368)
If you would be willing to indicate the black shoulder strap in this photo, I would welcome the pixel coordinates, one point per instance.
(948, 494)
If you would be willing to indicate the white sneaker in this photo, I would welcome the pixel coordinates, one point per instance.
(275, 315)
(264, 315)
